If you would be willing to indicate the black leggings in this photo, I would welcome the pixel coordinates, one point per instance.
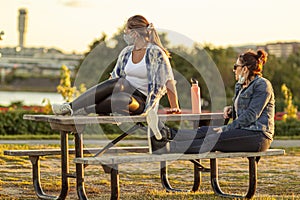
(113, 95)
(204, 139)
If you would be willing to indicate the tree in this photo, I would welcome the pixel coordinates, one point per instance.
(205, 63)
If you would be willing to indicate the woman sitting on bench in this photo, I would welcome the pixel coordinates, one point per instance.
(253, 108)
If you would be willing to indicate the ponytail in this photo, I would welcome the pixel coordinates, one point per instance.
(262, 56)
(154, 38)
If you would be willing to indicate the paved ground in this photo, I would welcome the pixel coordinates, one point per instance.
(285, 143)
(276, 143)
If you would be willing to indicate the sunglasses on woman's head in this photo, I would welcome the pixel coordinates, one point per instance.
(236, 66)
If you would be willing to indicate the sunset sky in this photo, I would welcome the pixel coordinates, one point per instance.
(71, 25)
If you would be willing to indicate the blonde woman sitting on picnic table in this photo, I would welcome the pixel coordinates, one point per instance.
(142, 75)
(252, 128)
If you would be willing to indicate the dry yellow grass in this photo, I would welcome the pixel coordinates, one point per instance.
(278, 178)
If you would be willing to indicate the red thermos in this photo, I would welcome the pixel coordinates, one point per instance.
(195, 97)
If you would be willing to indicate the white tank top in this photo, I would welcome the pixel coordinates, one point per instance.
(136, 74)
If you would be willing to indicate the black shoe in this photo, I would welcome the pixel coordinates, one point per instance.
(163, 145)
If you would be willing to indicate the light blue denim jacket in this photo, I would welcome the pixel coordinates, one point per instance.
(256, 107)
(159, 71)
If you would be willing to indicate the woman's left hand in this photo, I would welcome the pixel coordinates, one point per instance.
(218, 129)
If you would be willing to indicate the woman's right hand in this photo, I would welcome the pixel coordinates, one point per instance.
(174, 111)
(227, 112)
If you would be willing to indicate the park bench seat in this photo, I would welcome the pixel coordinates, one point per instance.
(110, 165)
(49, 152)
(140, 158)
(35, 154)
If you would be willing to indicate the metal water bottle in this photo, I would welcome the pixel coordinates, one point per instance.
(195, 97)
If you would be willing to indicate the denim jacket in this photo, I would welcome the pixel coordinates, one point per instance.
(159, 71)
(256, 107)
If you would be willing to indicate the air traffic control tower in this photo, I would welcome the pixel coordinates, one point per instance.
(22, 26)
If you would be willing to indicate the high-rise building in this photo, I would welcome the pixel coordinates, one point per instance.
(22, 26)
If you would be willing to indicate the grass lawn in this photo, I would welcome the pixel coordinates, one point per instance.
(278, 178)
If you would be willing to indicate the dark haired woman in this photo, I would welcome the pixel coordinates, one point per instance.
(253, 108)
(142, 75)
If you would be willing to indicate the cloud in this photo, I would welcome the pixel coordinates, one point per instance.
(73, 3)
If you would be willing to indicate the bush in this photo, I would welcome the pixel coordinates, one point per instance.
(12, 123)
(290, 127)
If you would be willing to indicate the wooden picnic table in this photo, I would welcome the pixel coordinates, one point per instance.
(76, 124)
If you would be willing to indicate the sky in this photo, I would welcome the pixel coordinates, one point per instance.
(72, 25)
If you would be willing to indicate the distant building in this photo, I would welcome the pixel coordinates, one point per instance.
(281, 49)
(36, 61)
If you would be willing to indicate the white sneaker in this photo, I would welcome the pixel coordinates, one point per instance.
(62, 109)
(152, 121)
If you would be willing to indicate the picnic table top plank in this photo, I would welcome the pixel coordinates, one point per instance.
(110, 160)
(71, 120)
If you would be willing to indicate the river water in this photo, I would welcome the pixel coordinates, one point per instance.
(28, 98)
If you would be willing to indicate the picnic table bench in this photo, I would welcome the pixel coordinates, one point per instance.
(110, 163)
(34, 156)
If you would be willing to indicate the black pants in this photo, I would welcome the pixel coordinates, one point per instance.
(113, 95)
(204, 139)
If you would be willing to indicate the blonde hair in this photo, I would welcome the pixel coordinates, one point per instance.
(145, 29)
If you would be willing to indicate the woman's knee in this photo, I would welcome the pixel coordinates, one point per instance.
(136, 106)
(265, 144)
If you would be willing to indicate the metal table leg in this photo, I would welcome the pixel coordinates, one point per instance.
(198, 169)
(197, 177)
(35, 161)
(252, 179)
(164, 179)
(113, 170)
(64, 143)
(79, 167)
(115, 186)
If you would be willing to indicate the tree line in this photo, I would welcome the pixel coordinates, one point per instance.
(207, 63)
